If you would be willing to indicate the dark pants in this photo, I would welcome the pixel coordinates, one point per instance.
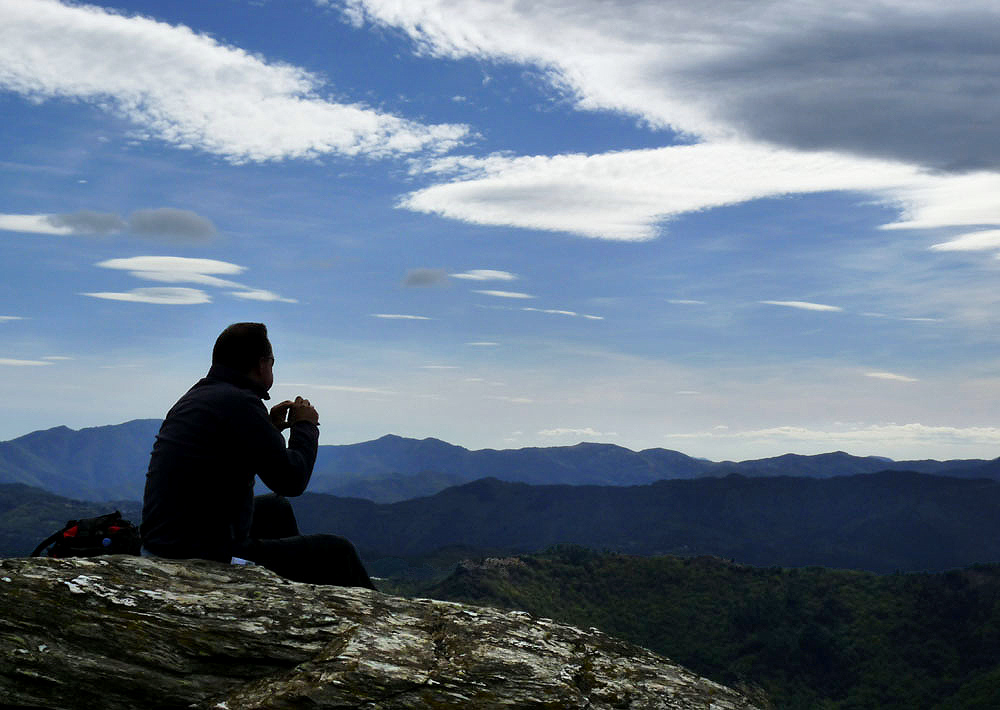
(275, 543)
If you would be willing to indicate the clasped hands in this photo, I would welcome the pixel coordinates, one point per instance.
(286, 413)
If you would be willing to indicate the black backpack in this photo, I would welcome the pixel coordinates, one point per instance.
(104, 535)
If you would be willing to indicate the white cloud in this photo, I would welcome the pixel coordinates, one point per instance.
(7, 319)
(512, 400)
(32, 224)
(190, 90)
(398, 316)
(339, 388)
(803, 305)
(505, 294)
(167, 296)
(176, 269)
(909, 81)
(875, 438)
(781, 97)
(626, 195)
(560, 312)
(180, 269)
(438, 367)
(973, 241)
(563, 432)
(8, 362)
(685, 302)
(482, 344)
(259, 294)
(485, 275)
(890, 376)
(552, 311)
(56, 357)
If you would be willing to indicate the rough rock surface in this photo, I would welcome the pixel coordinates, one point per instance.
(130, 632)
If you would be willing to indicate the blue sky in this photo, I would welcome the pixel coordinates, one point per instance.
(735, 230)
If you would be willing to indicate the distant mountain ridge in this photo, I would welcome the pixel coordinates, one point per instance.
(109, 462)
(893, 520)
(879, 522)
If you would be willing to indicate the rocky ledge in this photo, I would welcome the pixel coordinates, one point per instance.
(130, 632)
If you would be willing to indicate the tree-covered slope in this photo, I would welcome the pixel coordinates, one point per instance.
(810, 637)
(879, 522)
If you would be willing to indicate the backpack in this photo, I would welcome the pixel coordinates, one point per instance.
(104, 535)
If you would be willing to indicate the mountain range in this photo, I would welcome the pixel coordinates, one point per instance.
(109, 463)
(882, 522)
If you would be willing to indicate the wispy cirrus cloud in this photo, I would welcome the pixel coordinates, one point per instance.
(260, 294)
(349, 389)
(561, 312)
(504, 294)
(10, 362)
(485, 275)
(874, 438)
(161, 296)
(191, 90)
(890, 376)
(563, 432)
(804, 305)
(398, 316)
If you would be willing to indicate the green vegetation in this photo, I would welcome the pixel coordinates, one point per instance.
(811, 638)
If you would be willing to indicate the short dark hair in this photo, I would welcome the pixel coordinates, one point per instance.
(241, 346)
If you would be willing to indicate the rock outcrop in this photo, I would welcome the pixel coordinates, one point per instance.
(129, 632)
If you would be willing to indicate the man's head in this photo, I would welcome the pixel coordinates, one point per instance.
(244, 347)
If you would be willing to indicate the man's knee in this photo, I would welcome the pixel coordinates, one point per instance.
(271, 502)
(273, 517)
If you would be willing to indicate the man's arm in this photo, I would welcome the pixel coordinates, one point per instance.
(286, 470)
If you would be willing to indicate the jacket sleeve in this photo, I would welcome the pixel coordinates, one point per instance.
(286, 470)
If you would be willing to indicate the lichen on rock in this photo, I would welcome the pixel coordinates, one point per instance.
(152, 633)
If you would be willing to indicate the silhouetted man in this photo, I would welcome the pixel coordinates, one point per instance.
(199, 498)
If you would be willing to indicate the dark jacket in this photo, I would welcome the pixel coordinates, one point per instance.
(199, 488)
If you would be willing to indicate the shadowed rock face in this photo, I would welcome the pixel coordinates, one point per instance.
(150, 633)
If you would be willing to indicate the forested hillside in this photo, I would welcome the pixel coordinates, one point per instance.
(879, 522)
(812, 638)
